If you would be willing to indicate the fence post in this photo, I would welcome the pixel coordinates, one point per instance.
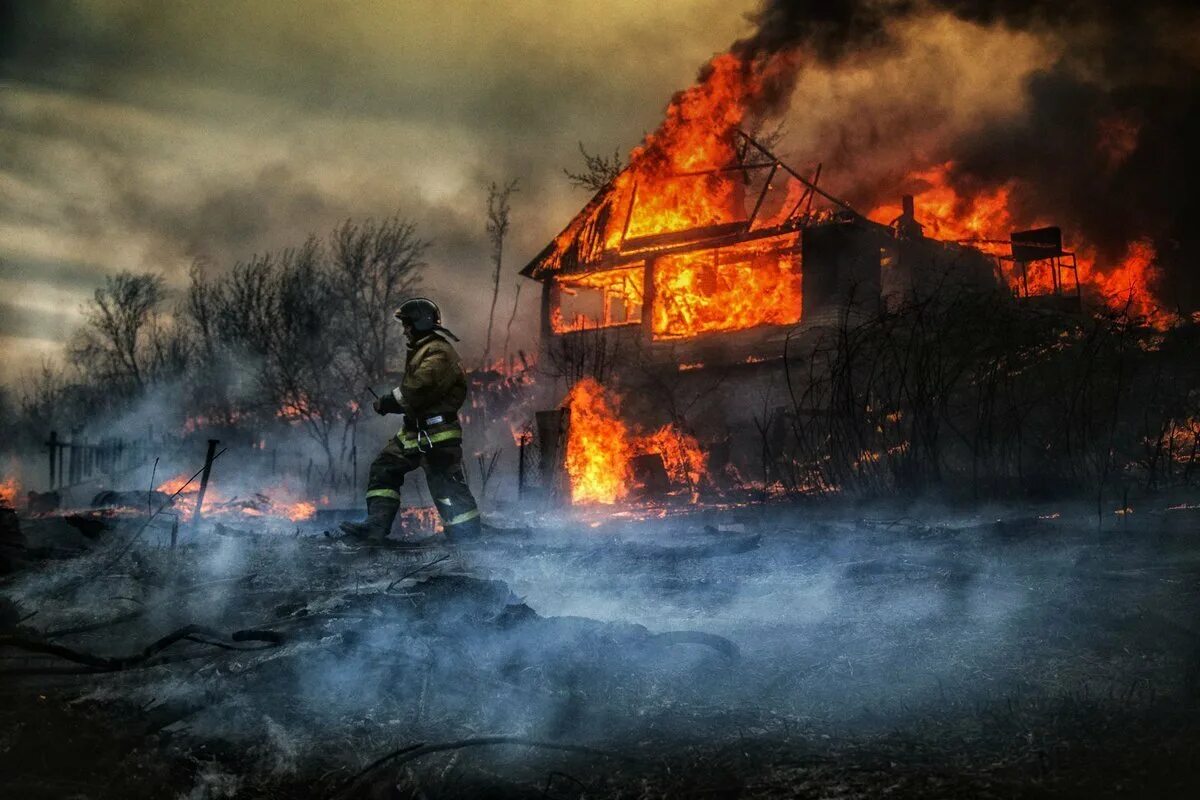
(521, 466)
(208, 459)
(52, 446)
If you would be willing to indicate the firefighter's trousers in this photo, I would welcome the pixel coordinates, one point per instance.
(443, 465)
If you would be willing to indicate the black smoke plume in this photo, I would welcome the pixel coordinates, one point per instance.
(1107, 143)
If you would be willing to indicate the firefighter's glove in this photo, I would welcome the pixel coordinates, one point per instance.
(388, 404)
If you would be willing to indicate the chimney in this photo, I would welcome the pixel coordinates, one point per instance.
(906, 225)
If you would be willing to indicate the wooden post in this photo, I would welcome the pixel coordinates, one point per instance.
(521, 466)
(52, 446)
(208, 459)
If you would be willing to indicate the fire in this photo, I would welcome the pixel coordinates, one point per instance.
(276, 501)
(727, 289)
(600, 299)
(681, 454)
(985, 220)
(300, 511)
(295, 408)
(697, 134)
(10, 490)
(949, 216)
(600, 448)
(1129, 285)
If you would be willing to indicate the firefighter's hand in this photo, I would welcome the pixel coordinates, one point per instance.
(388, 404)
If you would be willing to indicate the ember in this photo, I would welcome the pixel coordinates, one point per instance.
(10, 490)
(278, 501)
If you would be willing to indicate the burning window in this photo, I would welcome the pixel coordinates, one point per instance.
(731, 288)
(597, 300)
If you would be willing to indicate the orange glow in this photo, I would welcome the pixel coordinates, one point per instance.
(732, 288)
(697, 133)
(1128, 285)
(681, 454)
(295, 409)
(660, 192)
(10, 490)
(600, 448)
(276, 501)
(950, 217)
(947, 215)
(300, 511)
(597, 300)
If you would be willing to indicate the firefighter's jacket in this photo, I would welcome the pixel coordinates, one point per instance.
(431, 393)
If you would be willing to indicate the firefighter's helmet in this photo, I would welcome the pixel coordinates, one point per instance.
(420, 312)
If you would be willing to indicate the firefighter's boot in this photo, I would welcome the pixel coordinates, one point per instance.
(381, 511)
(467, 531)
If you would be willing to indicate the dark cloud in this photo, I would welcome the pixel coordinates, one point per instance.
(34, 323)
(1128, 67)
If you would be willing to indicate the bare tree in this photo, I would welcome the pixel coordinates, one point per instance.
(498, 210)
(118, 320)
(372, 265)
(512, 318)
(598, 171)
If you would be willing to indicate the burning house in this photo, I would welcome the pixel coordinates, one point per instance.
(715, 266)
(690, 283)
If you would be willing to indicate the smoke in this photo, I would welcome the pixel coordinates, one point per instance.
(1097, 139)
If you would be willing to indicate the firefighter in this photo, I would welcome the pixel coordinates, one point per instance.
(429, 396)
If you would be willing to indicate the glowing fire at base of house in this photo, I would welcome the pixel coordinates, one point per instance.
(601, 448)
(10, 490)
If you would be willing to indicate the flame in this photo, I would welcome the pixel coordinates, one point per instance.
(681, 454)
(985, 219)
(598, 451)
(275, 501)
(10, 490)
(600, 448)
(296, 408)
(300, 511)
(616, 295)
(732, 288)
(698, 133)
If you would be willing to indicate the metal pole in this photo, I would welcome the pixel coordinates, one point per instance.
(208, 459)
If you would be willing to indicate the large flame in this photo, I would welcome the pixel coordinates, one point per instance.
(601, 448)
(598, 451)
(985, 219)
(755, 283)
(698, 133)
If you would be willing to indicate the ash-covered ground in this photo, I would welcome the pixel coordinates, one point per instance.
(760, 652)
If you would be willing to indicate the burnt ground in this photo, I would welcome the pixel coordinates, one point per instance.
(757, 653)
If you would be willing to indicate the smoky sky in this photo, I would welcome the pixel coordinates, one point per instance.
(1126, 67)
(145, 136)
